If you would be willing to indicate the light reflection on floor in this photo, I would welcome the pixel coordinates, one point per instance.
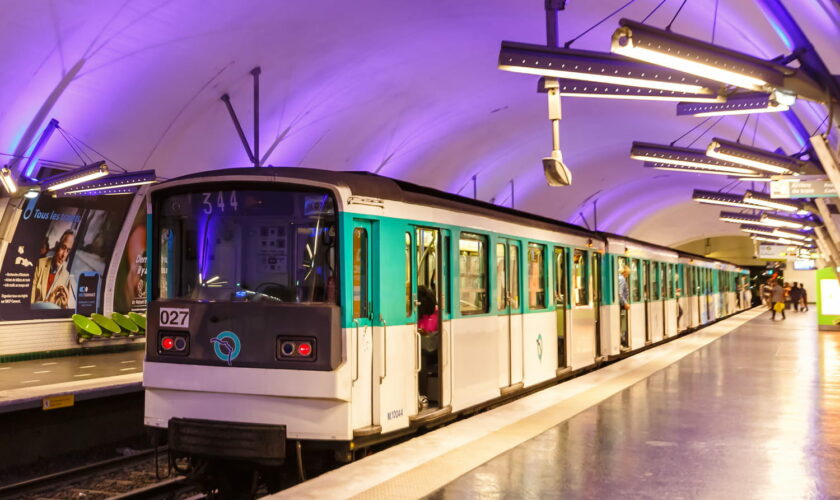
(755, 414)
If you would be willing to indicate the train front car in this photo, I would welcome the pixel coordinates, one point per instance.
(244, 350)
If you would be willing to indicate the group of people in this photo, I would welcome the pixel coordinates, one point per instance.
(779, 295)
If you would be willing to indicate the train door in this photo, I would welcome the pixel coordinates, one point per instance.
(623, 298)
(429, 328)
(364, 383)
(510, 320)
(596, 299)
(646, 289)
(560, 301)
(664, 280)
(582, 335)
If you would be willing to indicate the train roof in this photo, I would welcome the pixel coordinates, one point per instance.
(378, 186)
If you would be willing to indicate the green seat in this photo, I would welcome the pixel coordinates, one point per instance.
(109, 326)
(85, 327)
(138, 319)
(128, 326)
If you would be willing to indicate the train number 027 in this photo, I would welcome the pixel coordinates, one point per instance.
(174, 317)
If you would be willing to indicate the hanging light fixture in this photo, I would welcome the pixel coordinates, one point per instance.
(98, 192)
(739, 104)
(689, 168)
(739, 218)
(716, 198)
(689, 55)
(578, 88)
(116, 181)
(765, 201)
(673, 155)
(598, 67)
(754, 229)
(7, 180)
(787, 233)
(792, 222)
(74, 177)
(780, 241)
(753, 157)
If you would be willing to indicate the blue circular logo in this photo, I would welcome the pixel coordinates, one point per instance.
(227, 346)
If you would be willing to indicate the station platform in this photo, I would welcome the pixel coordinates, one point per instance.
(744, 408)
(25, 384)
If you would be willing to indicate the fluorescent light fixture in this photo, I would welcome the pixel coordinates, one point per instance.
(672, 155)
(783, 233)
(754, 229)
(716, 198)
(577, 88)
(689, 55)
(750, 156)
(754, 179)
(116, 181)
(686, 168)
(779, 241)
(781, 221)
(99, 192)
(739, 104)
(32, 192)
(74, 177)
(7, 180)
(764, 201)
(739, 218)
(598, 67)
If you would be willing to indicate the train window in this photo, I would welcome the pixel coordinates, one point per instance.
(472, 260)
(501, 278)
(536, 276)
(360, 273)
(635, 289)
(409, 303)
(272, 245)
(559, 278)
(654, 280)
(513, 289)
(671, 277)
(580, 278)
(623, 262)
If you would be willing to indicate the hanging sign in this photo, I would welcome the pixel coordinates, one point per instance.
(802, 188)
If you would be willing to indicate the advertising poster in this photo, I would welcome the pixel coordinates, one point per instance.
(56, 262)
(130, 288)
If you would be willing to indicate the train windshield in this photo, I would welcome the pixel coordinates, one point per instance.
(247, 245)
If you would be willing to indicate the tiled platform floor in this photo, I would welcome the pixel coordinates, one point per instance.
(755, 414)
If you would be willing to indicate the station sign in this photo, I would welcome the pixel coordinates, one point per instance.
(802, 187)
(779, 252)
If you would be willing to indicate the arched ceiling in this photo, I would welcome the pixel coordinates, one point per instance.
(405, 89)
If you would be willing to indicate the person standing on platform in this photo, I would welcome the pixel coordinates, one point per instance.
(795, 295)
(777, 298)
(803, 296)
(787, 295)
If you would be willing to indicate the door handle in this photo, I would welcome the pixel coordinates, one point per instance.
(418, 362)
(384, 349)
(356, 376)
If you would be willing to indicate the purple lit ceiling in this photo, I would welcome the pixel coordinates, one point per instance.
(405, 89)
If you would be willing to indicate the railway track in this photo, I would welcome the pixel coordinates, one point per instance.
(129, 477)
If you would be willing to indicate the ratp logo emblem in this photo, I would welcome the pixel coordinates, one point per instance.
(226, 345)
(539, 346)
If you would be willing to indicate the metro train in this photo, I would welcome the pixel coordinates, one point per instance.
(298, 309)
